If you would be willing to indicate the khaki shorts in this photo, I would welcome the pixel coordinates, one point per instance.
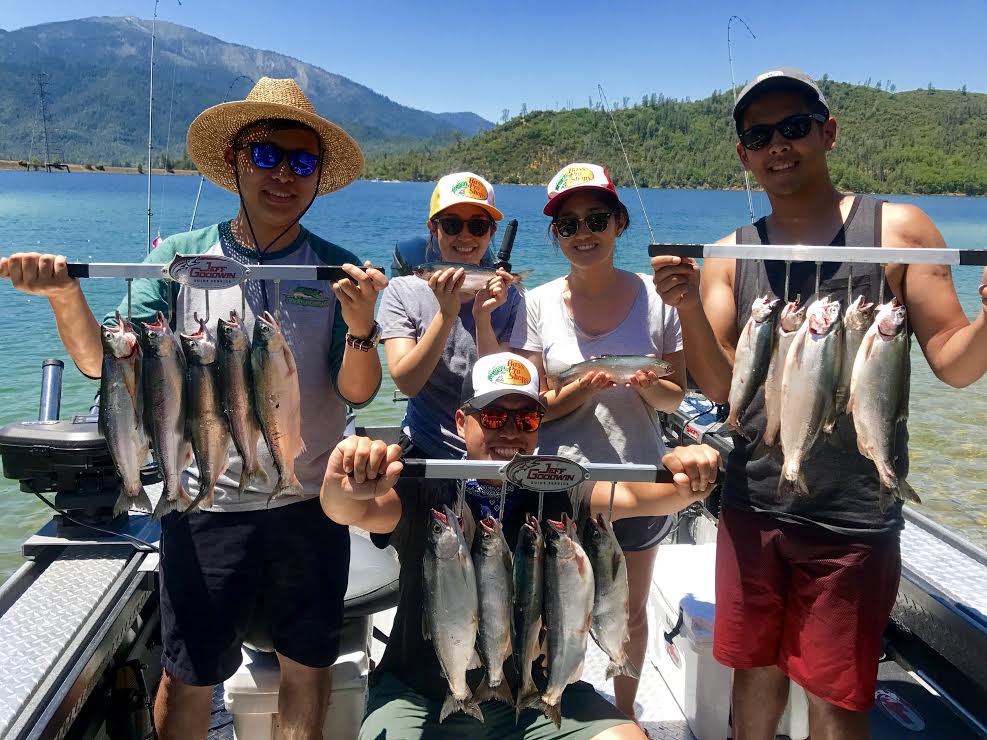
(396, 712)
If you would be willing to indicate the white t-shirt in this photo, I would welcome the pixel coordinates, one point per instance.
(615, 425)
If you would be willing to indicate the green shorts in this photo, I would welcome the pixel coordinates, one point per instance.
(396, 712)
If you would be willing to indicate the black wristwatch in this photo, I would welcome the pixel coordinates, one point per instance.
(365, 344)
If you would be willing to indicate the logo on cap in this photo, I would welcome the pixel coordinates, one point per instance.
(470, 187)
(572, 177)
(511, 372)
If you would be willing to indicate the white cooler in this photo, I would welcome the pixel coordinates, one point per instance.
(251, 694)
(682, 605)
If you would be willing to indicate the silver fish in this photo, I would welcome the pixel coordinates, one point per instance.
(857, 319)
(238, 397)
(879, 389)
(277, 399)
(569, 589)
(476, 276)
(526, 617)
(121, 412)
(789, 321)
(208, 426)
(494, 568)
(611, 596)
(620, 367)
(451, 615)
(164, 404)
(808, 389)
(753, 356)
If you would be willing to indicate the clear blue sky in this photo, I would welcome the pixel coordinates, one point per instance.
(486, 56)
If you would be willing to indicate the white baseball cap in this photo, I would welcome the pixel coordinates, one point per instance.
(463, 187)
(502, 374)
(577, 176)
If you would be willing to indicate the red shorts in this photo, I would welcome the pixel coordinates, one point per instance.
(810, 601)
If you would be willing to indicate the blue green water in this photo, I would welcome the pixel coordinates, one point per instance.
(103, 218)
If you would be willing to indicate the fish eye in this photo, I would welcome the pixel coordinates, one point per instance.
(436, 528)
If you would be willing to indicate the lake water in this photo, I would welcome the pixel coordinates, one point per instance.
(103, 218)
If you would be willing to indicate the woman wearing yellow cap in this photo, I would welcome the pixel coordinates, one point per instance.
(432, 330)
(594, 310)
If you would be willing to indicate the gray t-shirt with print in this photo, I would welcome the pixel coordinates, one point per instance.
(407, 307)
(615, 425)
(313, 327)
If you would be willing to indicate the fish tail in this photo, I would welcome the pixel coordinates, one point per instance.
(205, 495)
(792, 485)
(141, 502)
(251, 475)
(896, 490)
(907, 493)
(122, 505)
(165, 506)
(622, 669)
(467, 705)
(291, 487)
(736, 426)
(500, 692)
(525, 699)
(551, 711)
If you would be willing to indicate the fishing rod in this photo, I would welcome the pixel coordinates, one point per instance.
(506, 245)
(613, 121)
(733, 82)
(202, 178)
(819, 254)
(150, 119)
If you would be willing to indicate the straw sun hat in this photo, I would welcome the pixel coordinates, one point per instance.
(213, 131)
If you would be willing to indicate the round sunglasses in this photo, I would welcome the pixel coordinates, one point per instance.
(595, 222)
(453, 225)
(268, 155)
(793, 127)
(495, 417)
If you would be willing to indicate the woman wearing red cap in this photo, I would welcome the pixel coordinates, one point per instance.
(594, 310)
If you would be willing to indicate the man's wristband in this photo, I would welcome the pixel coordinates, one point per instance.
(365, 344)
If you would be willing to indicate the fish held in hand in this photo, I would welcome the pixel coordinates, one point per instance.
(526, 617)
(208, 426)
(752, 359)
(165, 409)
(789, 322)
(569, 592)
(611, 610)
(879, 390)
(121, 412)
(451, 614)
(494, 568)
(621, 368)
(808, 389)
(277, 400)
(237, 396)
(476, 277)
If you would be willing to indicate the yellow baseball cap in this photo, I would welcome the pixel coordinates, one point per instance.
(463, 187)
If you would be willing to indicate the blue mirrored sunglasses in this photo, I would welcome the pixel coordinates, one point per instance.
(267, 156)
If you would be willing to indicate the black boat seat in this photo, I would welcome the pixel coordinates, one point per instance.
(372, 588)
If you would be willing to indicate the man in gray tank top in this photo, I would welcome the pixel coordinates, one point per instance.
(805, 584)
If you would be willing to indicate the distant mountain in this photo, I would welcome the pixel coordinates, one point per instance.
(920, 141)
(97, 91)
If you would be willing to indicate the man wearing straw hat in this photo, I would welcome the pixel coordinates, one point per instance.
(805, 583)
(277, 154)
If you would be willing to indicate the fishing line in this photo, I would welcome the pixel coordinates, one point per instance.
(788, 277)
(130, 299)
(880, 293)
(606, 107)
(613, 491)
(541, 504)
(460, 497)
(733, 82)
(849, 283)
(818, 278)
(277, 299)
(503, 498)
(171, 302)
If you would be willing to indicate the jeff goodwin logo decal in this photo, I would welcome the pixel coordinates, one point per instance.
(544, 472)
(470, 187)
(312, 297)
(206, 272)
(511, 372)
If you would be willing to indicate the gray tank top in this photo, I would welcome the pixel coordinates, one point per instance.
(843, 484)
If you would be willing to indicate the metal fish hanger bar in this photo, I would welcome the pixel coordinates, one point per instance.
(491, 470)
(808, 253)
(253, 272)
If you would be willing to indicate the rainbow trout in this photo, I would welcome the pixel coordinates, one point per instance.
(879, 389)
(857, 319)
(751, 361)
(621, 368)
(476, 276)
(611, 595)
(789, 322)
(121, 412)
(451, 613)
(494, 567)
(526, 618)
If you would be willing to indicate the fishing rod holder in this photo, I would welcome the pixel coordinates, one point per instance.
(808, 253)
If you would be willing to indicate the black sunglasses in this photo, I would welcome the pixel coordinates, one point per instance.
(495, 417)
(793, 127)
(452, 225)
(268, 155)
(596, 222)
